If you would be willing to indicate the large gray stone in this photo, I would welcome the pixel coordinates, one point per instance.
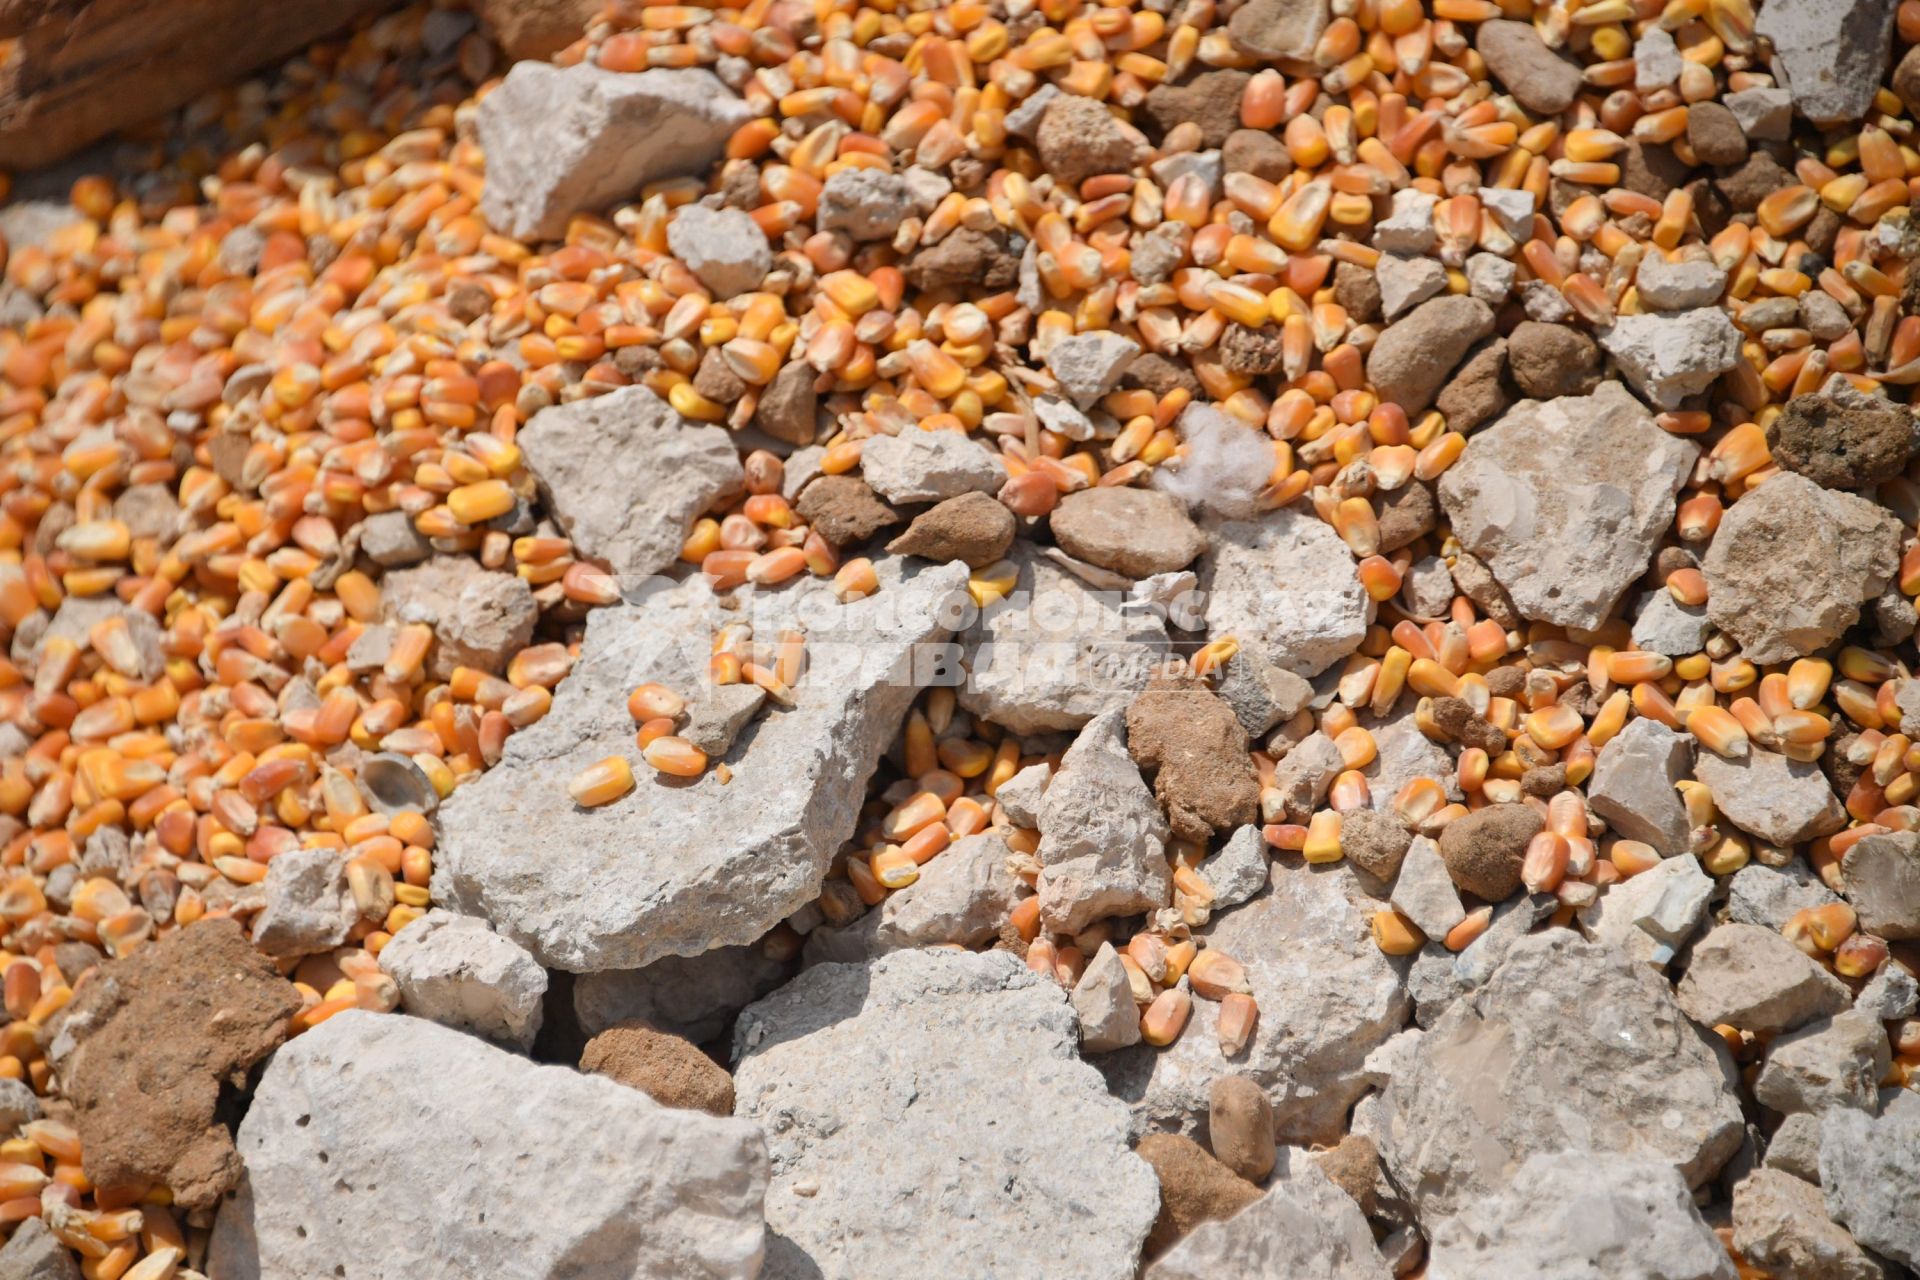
(884, 1090)
(1670, 357)
(1759, 894)
(1866, 1169)
(455, 971)
(1836, 1062)
(35, 1253)
(1327, 996)
(1651, 915)
(599, 462)
(1582, 1215)
(1569, 1048)
(1832, 57)
(560, 141)
(1565, 500)
(1286, 586)
(1880, 877)
(1633, 785)
(506, 1168)
(1784, 802)
(1791, 563)
(679, 866)
(1752, 978)
(1102, 837)
(1056, 652)
(1304, 1228)
(1781, 1223)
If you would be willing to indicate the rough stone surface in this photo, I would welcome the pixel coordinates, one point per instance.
(725, 248)
(565, 140)
(1682, 285)
(1764, 114)
(1303, 1228)
(1287, 586)
(1670, 357)
(1103, 1001)
(18, 1105)
(844, 510)
(1193, 744)
(1866, 1170)
(1880, 877)
(1411, 360)
(1780, 1223)
(866, 203)
(1424, 891)
(1279, 28)
(1794, 1148)
(1056, 652)
(1544, 82)
(35, 1253)
(1835, 1062)
(1102, 839)
(1079, 138)
(974, 527)
(1568, 1048)
(1752, 978)
(1136, 532)
(146, 1047)
(789, 406)
(1650, 916)
(1633, 785)
(480, 618)
(1784, 802)
(1260, 693)
(1301, 779)
(691, 996)
(1565, 500)
(390, 540)
(1405, 283)
(347, 1097)
(1405, 753)
(665, 1067)
(1020, 795)
(1483, 849)
(1088, 365)
(1194, 1188)
(681, 866)
(1238, 871)
(1830, 69)
(1547, 361)
(1843, 438)
(1790, 564)
(718, 714)
(1327, 996)
(1573, 1216)
(599, 460)
(455, 971)
(1664, 625)
(929, 466)
(961, 899)
(309, 907)
(935, 1038)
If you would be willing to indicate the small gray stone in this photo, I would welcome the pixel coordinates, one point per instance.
(1835, 1062)
(1670, 357)
(1891, 994)
(1771, 896)
(1428, 589)
(18, 1105)
(455, 971)
(1765, 114)
(390, 540)
(1102, 836)
(1424, 891)
(1286, 584)
(1088, 365)
(1651, 915)
(962, 899)
(309, 907)
(1783, 801)
(1304, 1228)
(1103, 1001)
(1020, 795)
(725, 248)
(929, 466)
(1408, 229)
(1405, 282)
(1866, 1168)
(35, 1253)
(1490, 278)
(1880, 877)
(1795, 1148)
(1752, 978)
(1681, 285)
(1239, 870)
(864, 202)
(1633, 785)
(480, 618)
(1656, 61)
(1260, 693)
(717, 715)
(1669, 627)
(1780, 1223)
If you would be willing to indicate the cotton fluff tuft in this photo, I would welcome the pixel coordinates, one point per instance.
(1225, 467)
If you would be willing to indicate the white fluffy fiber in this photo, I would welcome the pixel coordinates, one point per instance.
(1226, 465)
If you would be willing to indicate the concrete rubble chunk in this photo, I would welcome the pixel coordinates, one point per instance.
(691, 996)
(1664, 625)
(1752, 978)
(1835, 1062)
(1055, 652)
(1424, 892)
(1405, 283)
(725, 248)
(1301, 779)
(1764, 114)
(1651, 915)
(1020, 795)
(866, 203)
(682, 866)
(1633, 785)
(1891, 994)
(346, 1098)
(1782, 801)
(1327, 996)
(1544, 499)
(1831, 68)
(455, 971)
(1577, 1217)
(1260, 693)
(929, 466)
(1568, 1048)
(1286, 586)
(717, 716)
(1102, 838)
(1769, 896)
(962, 899)
(183, 1017)
(480, 618)
(1303, 1228)
(390, 540)
(1238, 871)
(1670, 357)
(1791, 563)
(598, 461)
(1780, 1223)
(35, 1253)
(1794, 1148)
(935, 1038)
(1679, 285)
(1103, 1001)
(561, 141)
(309, 907)
(1088, 365)
(1880, 877)
(1866, 1171)
(1409, 228)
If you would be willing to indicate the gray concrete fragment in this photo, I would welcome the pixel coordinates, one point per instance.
(455, 971)
(1670, 357)
(725, 248)
(929, 466)
(1633, 785)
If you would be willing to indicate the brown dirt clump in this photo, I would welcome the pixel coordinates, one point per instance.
(1484, 849)
(670, 1070)
(1194, 1188)
(845, 510)
(974, 527)
(1205, 780)
(155, 1037)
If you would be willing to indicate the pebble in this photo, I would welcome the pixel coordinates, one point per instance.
(724, 247)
